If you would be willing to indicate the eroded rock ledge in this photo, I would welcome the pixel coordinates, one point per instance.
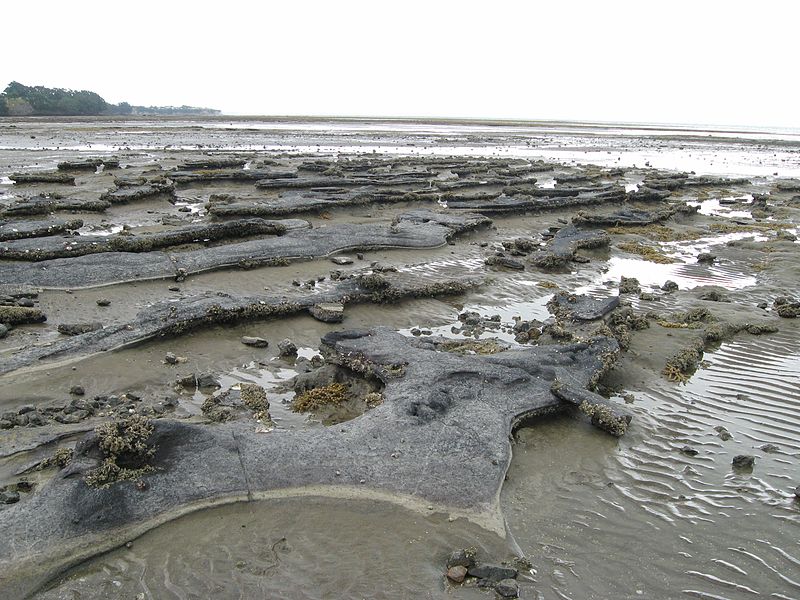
(170, 318)
(415, 229)
(440, 436)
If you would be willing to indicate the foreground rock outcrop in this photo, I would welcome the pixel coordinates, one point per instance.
(459, 409)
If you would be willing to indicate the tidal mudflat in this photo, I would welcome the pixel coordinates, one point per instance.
(314, 358)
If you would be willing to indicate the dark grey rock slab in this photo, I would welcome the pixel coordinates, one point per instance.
(581, 307)
(565, 243)
(440, 436)
(132, 193)
(416, 229)
(526, 202)
(627, 216)
(50, 247)
(43, 177)
(43, 205)
(170, 318)
(17, 230)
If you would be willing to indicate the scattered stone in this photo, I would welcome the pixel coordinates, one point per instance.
(669, 286)
(256, 342)
(723, 433)
(328, 312)
(689, 451)
(491, 572)
(457, 574)
(201, 381)
(287, 347)
(786, 307)
(507, 588)
(77, 390)
(629, 285)
(714, 296)
(769, 448)
(706, 257)
(743, 462)
(3, 331)
(103, 302)
(170, 358)
(342, 260)
(464, 557)
(8, 496)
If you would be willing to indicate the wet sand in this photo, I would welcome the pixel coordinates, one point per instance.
(638, 516)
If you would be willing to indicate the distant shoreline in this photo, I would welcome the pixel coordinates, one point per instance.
(534, 123)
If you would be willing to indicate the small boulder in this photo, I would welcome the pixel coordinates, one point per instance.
(743, 462)
(103, 302)
(462, 558)
(706, 257)
(8, 496)
(342, 260)
(3, 331)
(77, 390)
(669, 286)
(287, 347)
(507, 588)
(629, 285)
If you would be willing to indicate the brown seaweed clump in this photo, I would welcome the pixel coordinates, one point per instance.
(314, 399)
(646, 252)
(60, 459)
(126, 451)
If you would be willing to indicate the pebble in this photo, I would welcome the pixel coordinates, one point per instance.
(689, 451)
(256, 342)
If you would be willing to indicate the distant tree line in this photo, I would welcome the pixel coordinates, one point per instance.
(19, 100)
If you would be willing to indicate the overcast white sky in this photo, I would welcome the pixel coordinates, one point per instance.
(648, 61)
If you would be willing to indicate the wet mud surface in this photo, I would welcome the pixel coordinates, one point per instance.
(259, 349)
